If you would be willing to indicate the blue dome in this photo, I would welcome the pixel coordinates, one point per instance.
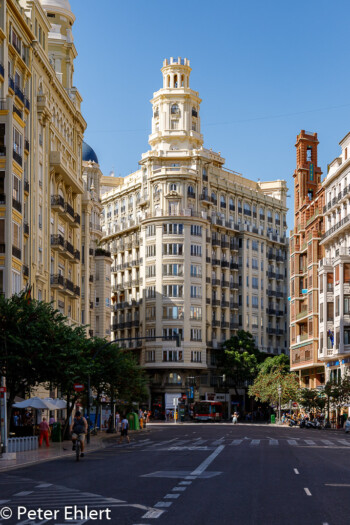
(89, 154)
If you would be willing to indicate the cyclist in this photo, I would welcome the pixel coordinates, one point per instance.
(78, 430)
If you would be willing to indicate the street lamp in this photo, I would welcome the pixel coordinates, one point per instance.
(279, 390)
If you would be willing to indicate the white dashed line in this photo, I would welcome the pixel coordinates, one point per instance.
(296, 471)
(185, 483)
(179, 489)
(327, 442)
(255, 442)
(236, 441)
(171, 496)
(309, 442)
(24, 493)
(273, 442)
(153, 514)
(43, 485)
(292, 442)
(308, 493)
(163, 504)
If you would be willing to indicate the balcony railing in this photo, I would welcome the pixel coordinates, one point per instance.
(17, 157)
(18, 112)
(17, 205)
(69, 209)
(57, 200)
(57, 240)
(16, 252)
(26, 228)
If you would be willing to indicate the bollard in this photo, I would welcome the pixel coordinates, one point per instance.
(36, 442)
(9, 445)
(21, 444)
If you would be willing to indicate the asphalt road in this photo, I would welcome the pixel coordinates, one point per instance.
(192, 474)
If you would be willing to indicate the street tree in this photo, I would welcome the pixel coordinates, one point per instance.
(265, 386)
(240, 359)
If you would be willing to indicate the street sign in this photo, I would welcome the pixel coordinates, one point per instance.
(2, 389)
(78, 387)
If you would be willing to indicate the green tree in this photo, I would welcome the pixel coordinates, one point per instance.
(240, 359)
(265, 386)
(311, 399)
(272, 362)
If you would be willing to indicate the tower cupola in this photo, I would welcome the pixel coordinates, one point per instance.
(176, 120)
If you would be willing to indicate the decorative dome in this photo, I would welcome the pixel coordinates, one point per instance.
(88, 154)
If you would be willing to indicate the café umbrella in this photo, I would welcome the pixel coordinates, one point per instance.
(38, 403)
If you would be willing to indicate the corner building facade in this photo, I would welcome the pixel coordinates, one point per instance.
(198, 250)
(305, 253)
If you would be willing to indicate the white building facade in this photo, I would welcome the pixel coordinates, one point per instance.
(334, 268)
(198, 251)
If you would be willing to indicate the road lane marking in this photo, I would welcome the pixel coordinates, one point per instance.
(309, 442)
(218, 441)
(255, 442)
(43, 485)
(179, 489)
(344, 442)
(153, 514)
(296, 471)
(203, 466)
(236, 442)
(337, 484)
(163, 504)
(172, 496)
(273, 442)
(327, 442)
(292, 442)
(185, 483)
(24, 493)
(308, 493)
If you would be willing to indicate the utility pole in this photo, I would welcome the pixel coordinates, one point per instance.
(279, 390)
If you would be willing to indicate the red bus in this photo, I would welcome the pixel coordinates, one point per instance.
(207, 411)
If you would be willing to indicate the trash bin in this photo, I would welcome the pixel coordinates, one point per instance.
(136, 421)
(56, 433)
(130, 417)
(273, 418)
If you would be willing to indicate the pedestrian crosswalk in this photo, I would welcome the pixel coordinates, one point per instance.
(209, 444)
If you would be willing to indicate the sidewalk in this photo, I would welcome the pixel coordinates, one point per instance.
(58, 450)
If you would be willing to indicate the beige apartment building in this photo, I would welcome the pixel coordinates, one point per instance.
(198, 251)
(334, 268)
(42, 193)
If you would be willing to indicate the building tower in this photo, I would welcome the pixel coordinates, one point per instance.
(199, 251)
(305, 252)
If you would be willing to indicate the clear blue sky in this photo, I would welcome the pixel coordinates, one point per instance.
(264, 69)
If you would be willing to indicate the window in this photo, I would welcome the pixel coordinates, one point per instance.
(196, 250)
(255, 265)
(173, 312)
(173, 290)
(171, 334)
(255, 282)
(255, 301)
(172, 249)
(174, 124)
(150, 250)
(150, 356)
(174, 378)
(175, 110)
(196, 292)
(222, 202)
(150, 313)
(337, 306)
(255, 246)
(196, 334)
(150, 230)
(16, 191)
(173, 269)
(346, 336)
(247, 300)
(308, 153)
(173, 229)
(196, 357)
(196, 270)
(151, 270)
(247, 209)
(196, 230)
(150, 292)
(347, 304)
(196, 313)
(16, 282)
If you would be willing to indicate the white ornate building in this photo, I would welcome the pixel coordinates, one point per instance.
(198, 250)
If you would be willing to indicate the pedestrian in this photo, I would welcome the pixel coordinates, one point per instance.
(44, 432)
(167, 414)
(117, 421)
(235, 418)
(124, 429)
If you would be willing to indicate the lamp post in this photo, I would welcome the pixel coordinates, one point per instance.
(279, 390)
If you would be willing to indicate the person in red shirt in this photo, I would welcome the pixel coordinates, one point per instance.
(44, 432)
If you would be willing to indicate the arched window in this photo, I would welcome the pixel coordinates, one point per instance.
(239, 206)
(205, 191)
(190, 191)
(213, 198)
(277, 218)
(156, 190)
(231, 204)
(168, 81)
(247, 209)
(172, 187)
(261, 214)
(131, 201)
(174, 379)
(194, 112)
(156, 112)
(222, 201)
(182, 81)
(175, 110)
(269, 216)
(175, 81)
